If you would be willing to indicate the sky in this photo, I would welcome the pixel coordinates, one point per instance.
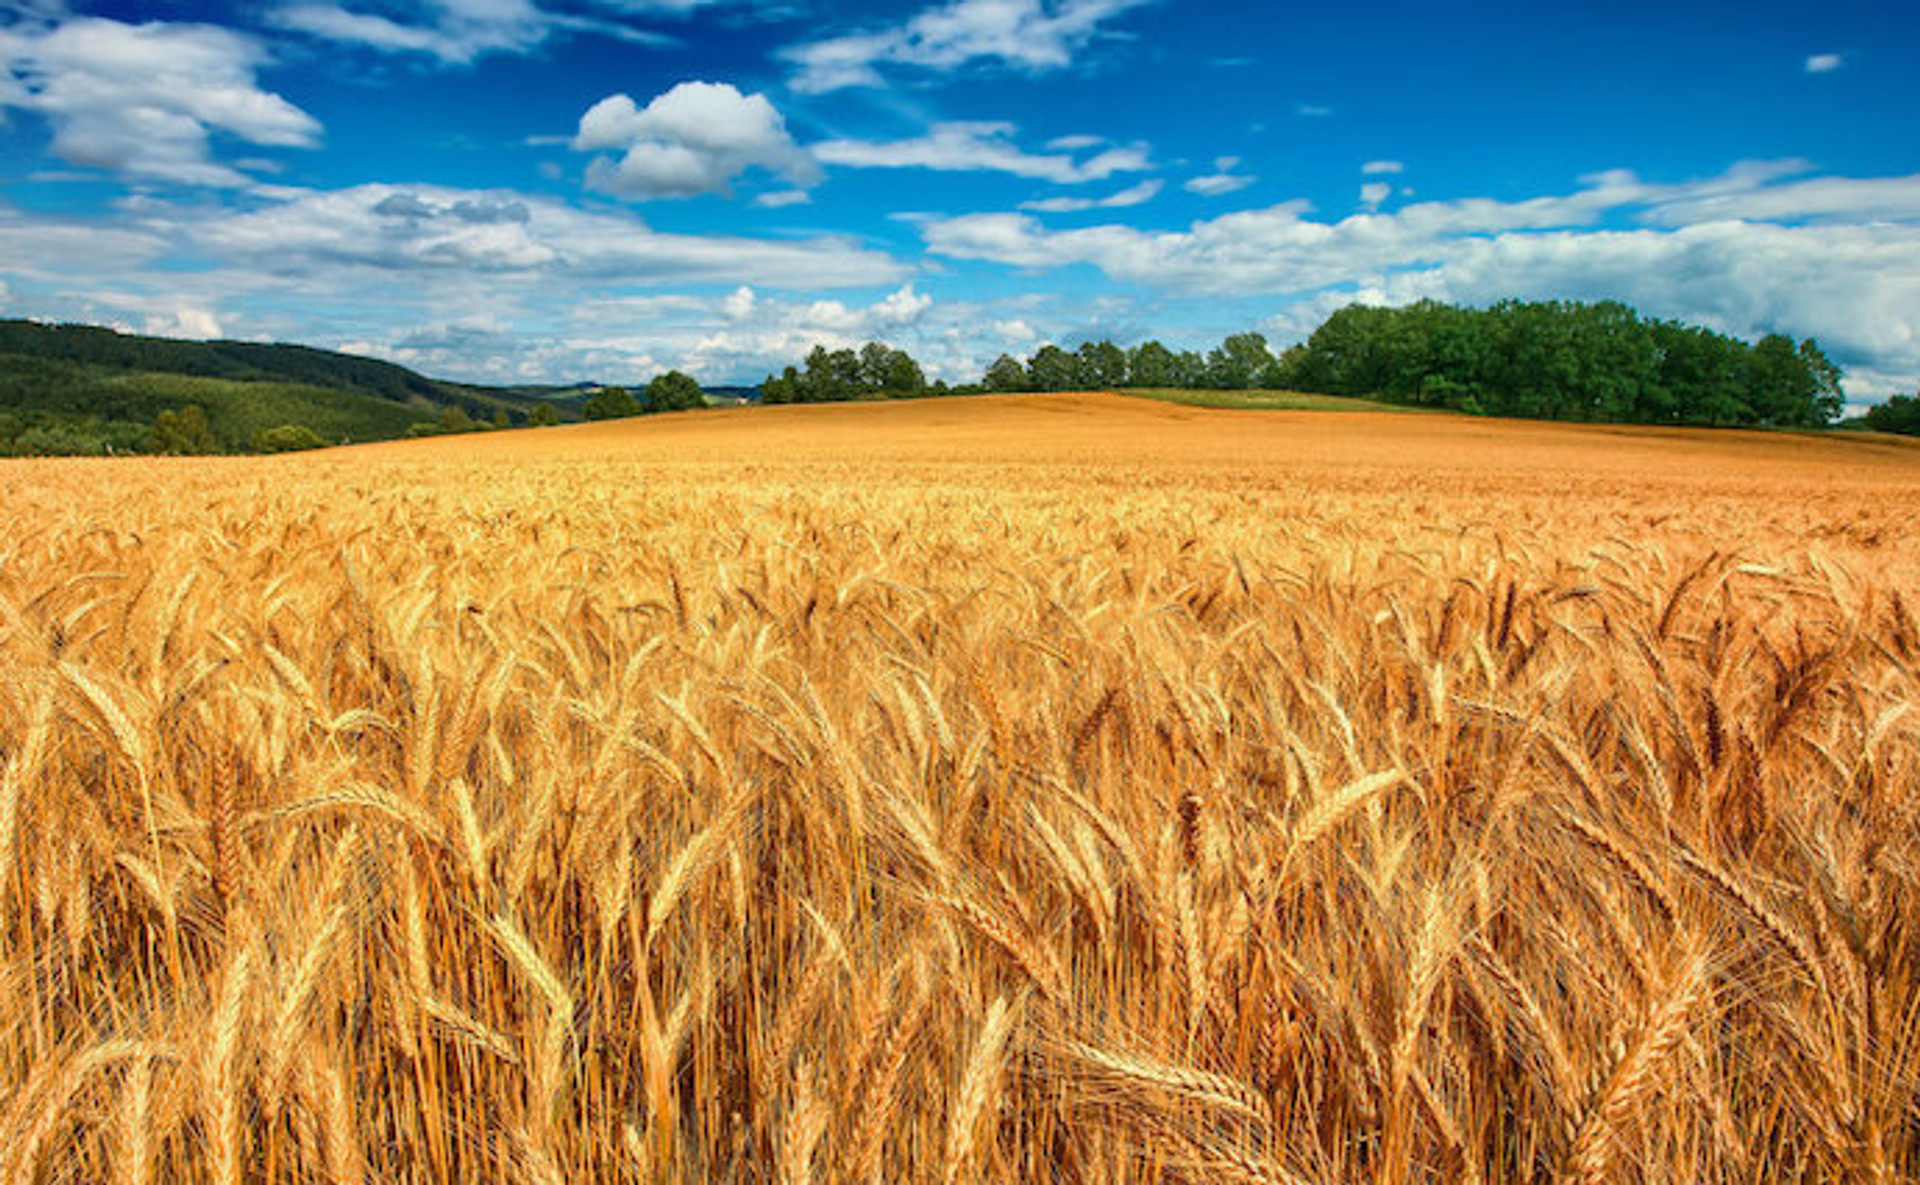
(534, 191)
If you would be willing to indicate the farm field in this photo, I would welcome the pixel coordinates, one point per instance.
(1067, 787)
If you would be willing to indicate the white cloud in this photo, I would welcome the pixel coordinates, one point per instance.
(1373, 193)
(696, 138)
(1138, 195)
(1379, 168)
(185, 321)
(477, 285)
(903, 307)
(146, 100)
(1223, 179)
(1824, 63)
(458, 31)
(1029, 35)
(462, 232)
(739, 304)
(731, 338)
(1703, 253)
(1312, 110)
(1818, 198)
(982, 147)
(780, 199)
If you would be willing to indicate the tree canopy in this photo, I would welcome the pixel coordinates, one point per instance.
(1565, 360)
(1899, 414)
(1549, 360)
(876, 370)
(674, 391)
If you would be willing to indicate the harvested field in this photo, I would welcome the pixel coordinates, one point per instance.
(1047, 787)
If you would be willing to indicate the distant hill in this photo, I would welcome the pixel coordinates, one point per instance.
(86, 389)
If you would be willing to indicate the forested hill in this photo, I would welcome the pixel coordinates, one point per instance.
(87, 390)
(239, 361)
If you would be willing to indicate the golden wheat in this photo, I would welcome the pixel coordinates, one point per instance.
(1060, 788)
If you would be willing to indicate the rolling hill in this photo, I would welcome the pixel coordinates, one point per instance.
(87, 389)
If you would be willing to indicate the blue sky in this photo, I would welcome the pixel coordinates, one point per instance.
(553, 190)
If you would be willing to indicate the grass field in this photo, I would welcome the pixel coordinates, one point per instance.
(1261, 400)
(1064, 787)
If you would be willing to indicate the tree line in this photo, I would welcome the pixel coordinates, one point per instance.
(876, 370)
(1563, 360)
(1899, 414)
(672, 391)
(1560, 360)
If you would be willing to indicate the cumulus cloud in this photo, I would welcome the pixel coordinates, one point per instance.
(958, 147)
(146, 100)
(184, 321)
(697, 138)
(1223, 179)
(903, 307)
(1028, 35)
(1138, 195)
(1373, 193)
(1824, 63)
(1746, 252)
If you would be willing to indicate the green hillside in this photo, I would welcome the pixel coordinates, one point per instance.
(85, 390)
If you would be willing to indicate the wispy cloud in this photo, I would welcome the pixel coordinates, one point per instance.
(457, 32)
(1138, 195)
(1382, 168)
(1029, 35)
(960, 147)
(1824, 63)
(1223, 179)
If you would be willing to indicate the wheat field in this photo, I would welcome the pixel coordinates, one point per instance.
(1061, 788)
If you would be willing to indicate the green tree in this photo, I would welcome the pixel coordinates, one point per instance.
(674, 391)
(901, 375)
(1823, 379)
(876, 366)
(1006, 374)
(1901, 414)
(1101, 364)
(611, 403)
(184, 432)
(1778, 387)
(1053, 369)
(501, 419)
(287, 438)
(1150, 365)
(830, 375)
(546, 415)
(455, 419)
(1240, 362)
(784, 387)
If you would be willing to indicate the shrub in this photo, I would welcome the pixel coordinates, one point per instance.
(287, 438)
